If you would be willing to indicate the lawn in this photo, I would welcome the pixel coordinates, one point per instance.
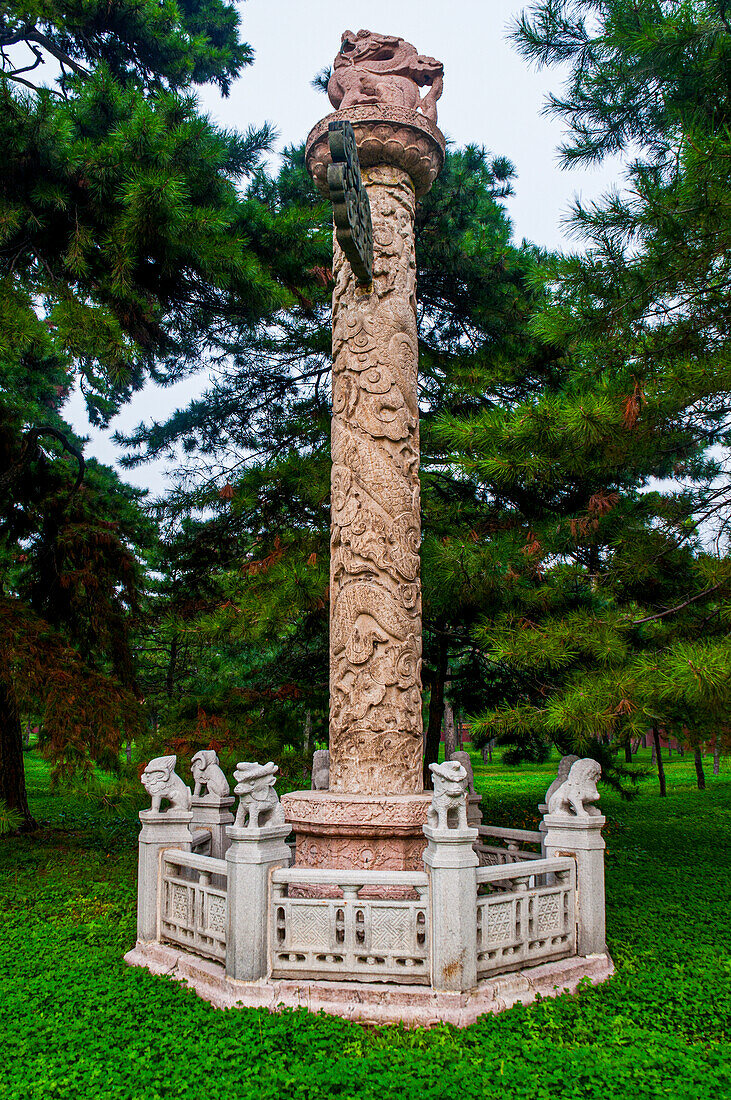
(78, 1023)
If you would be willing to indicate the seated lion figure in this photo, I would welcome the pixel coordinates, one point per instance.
(321, 770)
(448, 809)
(259, 802)
(207, 773)
(160, 781)
(578, 791)
(564, 767)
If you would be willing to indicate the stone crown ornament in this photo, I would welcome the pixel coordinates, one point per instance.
(578, 791)
(384, 70)
(160, 781)
(207, 773)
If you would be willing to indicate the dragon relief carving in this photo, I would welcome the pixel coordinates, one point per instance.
(375, 624)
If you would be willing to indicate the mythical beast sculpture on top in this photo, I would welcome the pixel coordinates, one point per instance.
(385, 70)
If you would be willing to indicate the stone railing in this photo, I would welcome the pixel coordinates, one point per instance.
(526, 914)
(192, 905)
(511, 847)
(350, 937)
(448, 926)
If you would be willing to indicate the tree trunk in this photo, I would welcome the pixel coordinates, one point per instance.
(12, 769)
(128, 751)
(653, 758)
(436, 712)
(716, 757)
(658, 757)
(681, 750)
(699, 773)
(450, 732)
(307, 762)
(170, 676)
(628, 752)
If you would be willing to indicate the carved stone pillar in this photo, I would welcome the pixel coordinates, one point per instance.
(375, 809)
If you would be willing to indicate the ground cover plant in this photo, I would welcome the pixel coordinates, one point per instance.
(77, 1022)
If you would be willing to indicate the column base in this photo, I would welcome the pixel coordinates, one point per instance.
(358, 831)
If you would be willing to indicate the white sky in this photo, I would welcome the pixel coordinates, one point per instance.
(490, 98)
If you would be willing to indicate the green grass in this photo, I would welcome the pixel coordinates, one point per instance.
(77, 1023)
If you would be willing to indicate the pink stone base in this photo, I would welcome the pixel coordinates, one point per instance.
(362, 832)
(379, 1003)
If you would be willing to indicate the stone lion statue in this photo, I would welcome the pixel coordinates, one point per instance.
(160, 781)
(448, 809)
(259, 802)
(578, 791)
(465, 760)
(207, 773)
(385, 70)
(321, 770)
(564, 767)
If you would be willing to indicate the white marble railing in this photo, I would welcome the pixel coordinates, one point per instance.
(496, 847)
(192, 911)
(349, 937)
(526, 914)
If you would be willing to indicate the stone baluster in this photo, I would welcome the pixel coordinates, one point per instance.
(257, 846)
(573, 827)
(161, 829)
(451, 863)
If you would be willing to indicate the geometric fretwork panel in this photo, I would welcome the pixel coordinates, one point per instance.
(192, 909)
(350, 938)
(524, 920)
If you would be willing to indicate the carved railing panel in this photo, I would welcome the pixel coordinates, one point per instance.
(350, 938)
(525, 916)
(192, 910)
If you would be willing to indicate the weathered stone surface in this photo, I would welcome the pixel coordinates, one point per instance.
(258, 801)
(581, 837)
(394, 136)
(159, 831)
(448, 809)
(384, 70)
(374, 832)
(321, 770)
(578, 791)
(412, 1005)
(375, 597)
(207, 773)
(161, 781)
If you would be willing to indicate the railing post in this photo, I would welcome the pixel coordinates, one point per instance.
(255, 850)
(451, 863)
(574, 828)
(160, 829)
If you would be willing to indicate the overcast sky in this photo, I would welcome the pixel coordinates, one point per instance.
(490, 98)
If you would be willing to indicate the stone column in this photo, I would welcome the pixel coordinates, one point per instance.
(252, 854)
(373, 814)
(170, 829)
(581, 837)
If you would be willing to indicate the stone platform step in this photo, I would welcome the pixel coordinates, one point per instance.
(374, 1003)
